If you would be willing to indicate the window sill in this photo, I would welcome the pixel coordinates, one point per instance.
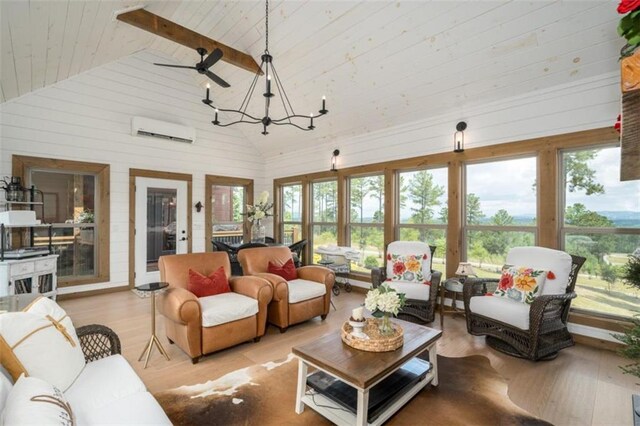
(82, 281)
(602, 321)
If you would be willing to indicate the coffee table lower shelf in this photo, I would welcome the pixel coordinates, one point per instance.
(338, 415)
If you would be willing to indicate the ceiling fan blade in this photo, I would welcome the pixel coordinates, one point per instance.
(175, 66)
(217, 79)
(212, 58)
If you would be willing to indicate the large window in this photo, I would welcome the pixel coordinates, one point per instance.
(227, 208)
(500, 211)
(75, 199)
(324, 223)
(601, 222)
(366, 220)
(422, 201)
(291, 213)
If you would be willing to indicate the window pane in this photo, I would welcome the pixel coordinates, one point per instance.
(323, 235)
(594, 195)
(69, 198)
(367, 199)
(227, 207)
(434, 237)
(423, 196)
(292, 233)
(501, 192)
(487, 250)
(161, 225)
(369, 241)
(292, 203)
(324, 199)
(599, 285)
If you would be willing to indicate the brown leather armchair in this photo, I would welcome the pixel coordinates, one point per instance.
(199, 334)
(295, 301)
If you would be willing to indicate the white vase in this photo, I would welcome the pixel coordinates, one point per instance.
(258, 232)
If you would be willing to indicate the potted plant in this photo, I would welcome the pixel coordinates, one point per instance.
(631, 337)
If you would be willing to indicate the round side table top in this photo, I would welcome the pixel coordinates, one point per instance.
(454, 285)
(152, 286)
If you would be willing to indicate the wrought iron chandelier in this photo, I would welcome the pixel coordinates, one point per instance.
(270, 73)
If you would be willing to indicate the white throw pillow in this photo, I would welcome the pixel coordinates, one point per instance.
(41, 342)
(33, 401)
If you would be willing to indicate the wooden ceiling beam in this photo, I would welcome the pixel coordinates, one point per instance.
(162, 27)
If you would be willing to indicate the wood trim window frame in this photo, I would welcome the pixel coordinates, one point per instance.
(279, 208)
(209, 182)
(546, 149)
(20, 167)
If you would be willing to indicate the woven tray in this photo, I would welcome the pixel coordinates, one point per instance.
(375, 342)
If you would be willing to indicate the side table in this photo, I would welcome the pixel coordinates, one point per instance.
(454, 287)
(153, 288)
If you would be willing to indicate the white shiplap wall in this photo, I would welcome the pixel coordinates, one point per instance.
(586, 104)
(88, 118)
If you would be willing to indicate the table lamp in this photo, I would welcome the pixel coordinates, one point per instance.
(465, 269)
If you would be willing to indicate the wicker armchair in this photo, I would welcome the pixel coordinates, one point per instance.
(415, 310)
(98, 341)
(547, 331)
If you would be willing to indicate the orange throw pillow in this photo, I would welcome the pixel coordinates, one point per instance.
(287, 271)
(201, 286)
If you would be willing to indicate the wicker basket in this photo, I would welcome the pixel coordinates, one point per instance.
(376, 342)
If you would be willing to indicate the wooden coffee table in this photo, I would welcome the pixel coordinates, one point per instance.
(362, 370)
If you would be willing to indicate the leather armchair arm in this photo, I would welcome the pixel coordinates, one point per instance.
(179, 305)
(278, 284)
(378, 276)
(254, 287)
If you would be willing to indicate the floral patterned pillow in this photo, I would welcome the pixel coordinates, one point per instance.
(520, 283)
(407, 267)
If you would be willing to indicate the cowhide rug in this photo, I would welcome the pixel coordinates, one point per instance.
(470, 392)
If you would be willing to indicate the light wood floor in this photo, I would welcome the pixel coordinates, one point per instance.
(582, 386)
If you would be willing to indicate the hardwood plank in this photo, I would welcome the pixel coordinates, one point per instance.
(561, 391)
(160, 26)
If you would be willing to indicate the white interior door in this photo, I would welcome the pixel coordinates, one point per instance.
(161, 224)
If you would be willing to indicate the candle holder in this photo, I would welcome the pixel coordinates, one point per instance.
(358, 329)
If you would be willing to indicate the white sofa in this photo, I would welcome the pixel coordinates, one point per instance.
(107, 391)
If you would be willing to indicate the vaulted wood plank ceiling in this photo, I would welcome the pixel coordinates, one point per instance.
(379, 63)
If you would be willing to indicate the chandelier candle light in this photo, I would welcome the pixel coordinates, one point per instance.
(266, 68)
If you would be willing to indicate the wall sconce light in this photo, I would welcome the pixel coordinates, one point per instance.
(199, 206)
(458, 137)
(334, 159)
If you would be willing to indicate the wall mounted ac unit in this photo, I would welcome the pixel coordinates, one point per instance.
(141, 126)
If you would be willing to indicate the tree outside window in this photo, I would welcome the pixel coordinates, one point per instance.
(366, 221)
(422, 198)
(601, 222)
(291, 213)
(324, 224)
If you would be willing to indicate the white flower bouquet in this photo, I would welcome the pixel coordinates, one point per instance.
(260, 210)
(384, 300)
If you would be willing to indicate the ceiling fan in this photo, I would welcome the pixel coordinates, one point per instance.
(203, 66)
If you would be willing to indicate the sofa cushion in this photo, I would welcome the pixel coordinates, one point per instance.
(417, 291)
(410, 248)
(521, 283)
(501, 309)
(301, 290)
(102, 382)
(33, 401)
(226, 307)
(41, 342)
(5, 387)
(287, 271)
(202, 286)
(138, 409)
(557, 262)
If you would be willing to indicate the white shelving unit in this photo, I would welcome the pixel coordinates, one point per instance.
(34, 275)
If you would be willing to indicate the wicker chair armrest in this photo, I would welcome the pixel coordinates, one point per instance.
(548, 304)
(98, 341)
(476, 287)
(378, 276)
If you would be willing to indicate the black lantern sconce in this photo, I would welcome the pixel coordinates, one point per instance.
(199, 206)
(334, 159)
(458, 137)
